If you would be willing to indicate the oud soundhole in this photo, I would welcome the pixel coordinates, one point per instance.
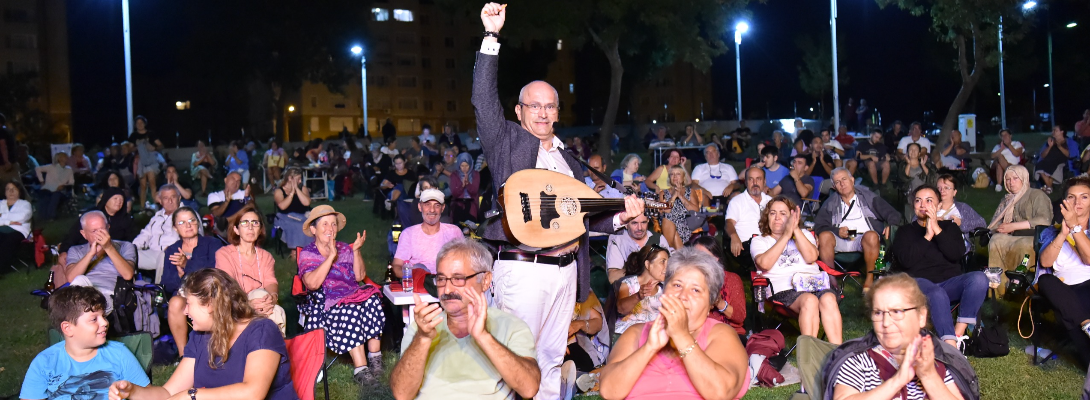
(569, 206)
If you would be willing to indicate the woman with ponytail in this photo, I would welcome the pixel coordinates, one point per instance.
(233, 353)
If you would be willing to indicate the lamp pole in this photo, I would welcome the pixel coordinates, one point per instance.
(128, 60)
(739, 29)
(1002, 88)
(836, 80)
(358, 50)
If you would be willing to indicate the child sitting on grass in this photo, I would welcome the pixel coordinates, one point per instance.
(84, 362)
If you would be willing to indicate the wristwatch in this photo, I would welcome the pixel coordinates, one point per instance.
(192, 393)
(1076, 228)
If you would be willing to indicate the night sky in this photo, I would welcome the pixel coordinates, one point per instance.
(892, 59)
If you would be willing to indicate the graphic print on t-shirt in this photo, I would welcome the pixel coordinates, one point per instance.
(91, 386)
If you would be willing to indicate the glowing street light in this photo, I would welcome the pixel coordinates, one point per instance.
(739, 29)
(1072, 25)
(1029, 5)
(357, 50)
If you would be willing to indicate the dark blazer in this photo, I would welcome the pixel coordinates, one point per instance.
(509, 148)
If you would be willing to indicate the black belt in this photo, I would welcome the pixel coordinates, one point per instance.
(538, 259)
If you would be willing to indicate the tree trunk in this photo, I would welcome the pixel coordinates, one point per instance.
(605, 134)
(968, 83)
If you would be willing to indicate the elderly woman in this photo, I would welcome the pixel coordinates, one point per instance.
(250, 265)
(1013, 224)
(731, 307)
(627, 173)
(292, 200)
(15, 215)
(1067, 252)
(57, 176)
(233, 353)
(201, 164)
(639, 291)
(465, 187)
(930, 250)
(683, 354)
(189, 254)
(898, 359)
(659, 179)
(785, 253)
(684, 197)
(350, 313)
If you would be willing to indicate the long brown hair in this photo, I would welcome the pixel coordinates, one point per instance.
(766, 229)
(229, 306)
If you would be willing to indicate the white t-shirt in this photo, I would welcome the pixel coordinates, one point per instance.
(219, 197)
(855, 219)
(746, 214)
(1069, 267)
(789, 263)
(1007, 153)
(924, 143)
(715, 178)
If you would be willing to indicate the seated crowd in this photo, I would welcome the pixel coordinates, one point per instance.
(673, 324)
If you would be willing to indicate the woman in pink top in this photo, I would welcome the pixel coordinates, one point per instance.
(682, 354)
(250, 265)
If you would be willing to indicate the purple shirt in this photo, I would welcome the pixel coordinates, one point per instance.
(260, 334)
(416, 247)
(341, 280)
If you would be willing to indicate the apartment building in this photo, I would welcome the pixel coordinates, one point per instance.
(34, 38)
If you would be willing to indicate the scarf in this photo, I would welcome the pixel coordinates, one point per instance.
(1005, 213)
(468, 159)
(107, 194)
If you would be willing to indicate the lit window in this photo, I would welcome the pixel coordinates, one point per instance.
(380, 14)
(560, 44)
(571, 88)
(403, 15)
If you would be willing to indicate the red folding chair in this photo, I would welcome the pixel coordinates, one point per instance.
(307, 355)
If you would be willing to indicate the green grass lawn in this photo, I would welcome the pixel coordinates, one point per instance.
(1009, 377)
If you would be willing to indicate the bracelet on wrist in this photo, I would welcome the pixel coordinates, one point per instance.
(491, 34)
(687, 350)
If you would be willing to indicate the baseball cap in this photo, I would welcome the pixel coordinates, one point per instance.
(432, 194)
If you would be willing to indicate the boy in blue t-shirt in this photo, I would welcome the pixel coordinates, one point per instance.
(84, 364)
(774, 171)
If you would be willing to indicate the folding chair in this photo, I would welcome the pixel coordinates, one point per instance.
(306, 352)
(1039, 305)
(811, 204)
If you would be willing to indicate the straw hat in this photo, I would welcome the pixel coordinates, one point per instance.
(319, 212)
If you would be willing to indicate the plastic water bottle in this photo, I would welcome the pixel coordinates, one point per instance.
(407, 279)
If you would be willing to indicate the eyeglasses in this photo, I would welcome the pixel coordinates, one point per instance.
(458, 281)
(186, 221)
(249, 223)
(549, 108)
(896, 315)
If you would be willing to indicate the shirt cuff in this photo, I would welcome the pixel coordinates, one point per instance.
(492, 49)
(617, 225)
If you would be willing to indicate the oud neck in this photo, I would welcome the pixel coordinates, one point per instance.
(600, 205)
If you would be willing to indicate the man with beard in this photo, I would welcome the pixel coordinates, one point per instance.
(540, 287)
(465, 349)
(744, 212)
(623, 244)
(420, 243)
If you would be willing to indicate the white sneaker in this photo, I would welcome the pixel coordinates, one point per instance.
(962, 341)
(998, 188)
(567, 380)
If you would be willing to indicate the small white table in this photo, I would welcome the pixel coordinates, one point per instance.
(403, 299)
(319, 173)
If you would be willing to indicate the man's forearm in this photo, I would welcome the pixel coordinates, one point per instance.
(408, 374)
(123, 266)
(520, 373)
(72, 270)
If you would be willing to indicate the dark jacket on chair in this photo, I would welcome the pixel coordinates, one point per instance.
(509, 148)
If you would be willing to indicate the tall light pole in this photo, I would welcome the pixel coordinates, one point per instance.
(358, 51)
(739, 29)
(1029, 5)
(128, 60)
(836, 79)
(1051, 85)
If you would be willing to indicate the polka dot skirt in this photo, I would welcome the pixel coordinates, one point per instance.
(347, 326)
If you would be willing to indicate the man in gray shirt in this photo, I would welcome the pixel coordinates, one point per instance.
(623, 244)
(99, 262)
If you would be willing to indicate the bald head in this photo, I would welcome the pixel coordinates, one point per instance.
(537, 110)
(538, 86)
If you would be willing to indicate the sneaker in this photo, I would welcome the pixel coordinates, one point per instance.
(389, 205)
(365, 378)
(998, 188)
(962, 341)
(587, 382)
(374, 364)
(567, 380)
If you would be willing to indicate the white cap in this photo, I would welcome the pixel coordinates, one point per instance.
(432, 194)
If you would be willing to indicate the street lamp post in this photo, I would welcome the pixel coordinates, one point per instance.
(128, 60)
(836, 80)
(1029, 5)
(739, 29)
(358, 50)
(1051, 85)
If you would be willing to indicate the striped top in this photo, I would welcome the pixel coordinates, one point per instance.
(861, 373)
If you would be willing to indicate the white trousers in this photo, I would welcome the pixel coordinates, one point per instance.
(543, 296)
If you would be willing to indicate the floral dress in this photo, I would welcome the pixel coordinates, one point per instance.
(679, 214)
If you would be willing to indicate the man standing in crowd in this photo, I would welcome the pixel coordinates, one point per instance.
(605, 189)
(540, 288)
(420, 243)
(744, 213)
(623, 244)
(466, 349)
(798, 184)
(875, 156)
(850, 220)
(717, 178)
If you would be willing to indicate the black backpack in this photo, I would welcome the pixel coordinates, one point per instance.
(990, 335)
(123, 318)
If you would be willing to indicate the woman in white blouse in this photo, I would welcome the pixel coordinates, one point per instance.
(15, 213)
